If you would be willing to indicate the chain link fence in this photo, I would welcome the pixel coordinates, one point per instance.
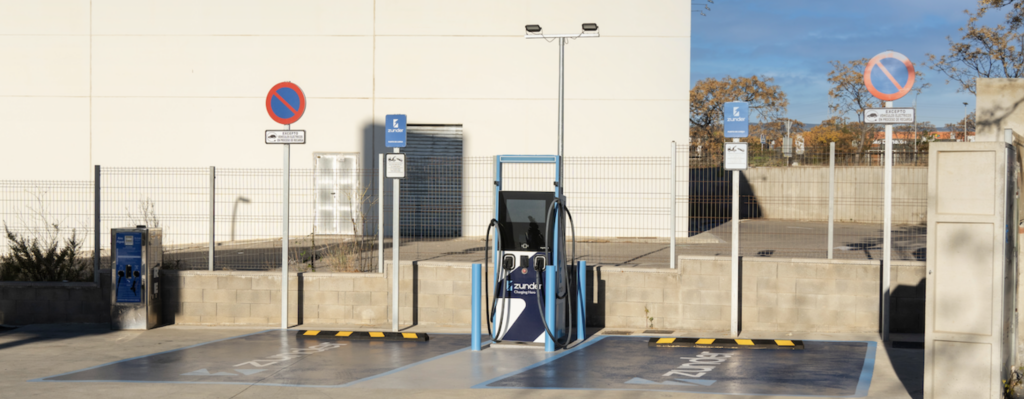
(621, 209)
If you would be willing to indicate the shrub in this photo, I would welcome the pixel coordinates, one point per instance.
(52, 260)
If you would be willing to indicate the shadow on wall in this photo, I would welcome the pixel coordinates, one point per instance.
(431, 192)
(711, 199)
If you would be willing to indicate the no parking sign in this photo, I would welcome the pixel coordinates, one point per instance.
(889, 76)
(286, 103)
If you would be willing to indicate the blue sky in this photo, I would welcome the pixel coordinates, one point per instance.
(794, 40)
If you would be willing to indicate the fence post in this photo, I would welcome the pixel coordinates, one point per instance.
(213, 203)
(96, 227)
(380, 213)
(672, 211)
(831, 196)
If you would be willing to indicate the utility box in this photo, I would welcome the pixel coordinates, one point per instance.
(970, 312)
(135, 298)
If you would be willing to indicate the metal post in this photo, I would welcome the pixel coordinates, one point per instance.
(213, 202)
(96, 228)
(581, 309)
(887, 230)
(474, 338)
(285, 186)
(380, 213)
(734, 327)
(395, 234)
(561, 100)
(550, 288)
(672, 211)
(831, 196)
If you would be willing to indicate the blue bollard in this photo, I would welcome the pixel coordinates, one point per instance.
(581, 303)
(475, 339)
(550, 290)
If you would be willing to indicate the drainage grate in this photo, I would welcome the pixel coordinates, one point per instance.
(614, 332)
(663, 332)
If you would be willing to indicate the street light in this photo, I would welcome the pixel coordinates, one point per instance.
(536, 32)
(965, 121)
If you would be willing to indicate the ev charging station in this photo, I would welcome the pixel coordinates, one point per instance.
(538, 293)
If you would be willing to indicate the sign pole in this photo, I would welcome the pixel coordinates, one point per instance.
(887, 230)
(394, 137)
(893, 80)
(395, 234)
(285, 104)
(284, 236)
(734, 326)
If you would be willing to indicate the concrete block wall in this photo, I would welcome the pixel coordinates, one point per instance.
(806, 295)
(430, 294)
(43, 302)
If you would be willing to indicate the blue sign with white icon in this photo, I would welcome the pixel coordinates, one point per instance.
(394, 131)
(737, 123)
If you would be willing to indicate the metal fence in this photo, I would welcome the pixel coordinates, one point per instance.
(785, 206)
(621, 209)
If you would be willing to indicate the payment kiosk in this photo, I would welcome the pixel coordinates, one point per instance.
(135, 298)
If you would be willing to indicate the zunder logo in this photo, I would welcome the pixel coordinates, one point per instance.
(735, 111)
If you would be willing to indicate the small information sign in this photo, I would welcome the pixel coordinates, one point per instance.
(286, 137)
(735, 156)
(736, 124)
(395, 166)
(889, 116)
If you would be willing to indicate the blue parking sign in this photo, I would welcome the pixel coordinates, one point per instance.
(394, 131)
(737, 122)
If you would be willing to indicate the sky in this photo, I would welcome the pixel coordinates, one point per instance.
(793, 41)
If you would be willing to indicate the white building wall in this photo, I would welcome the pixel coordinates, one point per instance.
(183, 83)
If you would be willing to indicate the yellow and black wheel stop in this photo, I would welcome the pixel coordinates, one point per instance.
(366, 335)
(727, 343)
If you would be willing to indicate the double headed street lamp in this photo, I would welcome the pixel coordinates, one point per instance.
(536, 32)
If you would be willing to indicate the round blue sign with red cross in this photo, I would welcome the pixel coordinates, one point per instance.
(889, 76)
(286, 103)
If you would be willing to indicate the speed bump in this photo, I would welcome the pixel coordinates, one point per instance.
(728, 343)
(365, 335)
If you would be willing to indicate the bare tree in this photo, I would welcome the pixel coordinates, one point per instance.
(984, 52)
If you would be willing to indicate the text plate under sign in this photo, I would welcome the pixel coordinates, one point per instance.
(889, 116)
(286, 137)
(395, 166)
(735, 156)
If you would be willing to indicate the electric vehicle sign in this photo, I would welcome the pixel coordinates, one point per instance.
(394, 131)
(737, 123)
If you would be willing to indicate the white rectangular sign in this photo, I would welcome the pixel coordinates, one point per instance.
(735, 156)
(395, 165)
(889, 116)
(286, 137)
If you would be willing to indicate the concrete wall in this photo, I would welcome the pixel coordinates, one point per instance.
(34, 303)
(183, 83)
(801, 193)
(813, 295)
(777, 295)
(431, 294)
(999, 106)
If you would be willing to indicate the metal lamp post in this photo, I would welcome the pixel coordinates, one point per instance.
(536, 32)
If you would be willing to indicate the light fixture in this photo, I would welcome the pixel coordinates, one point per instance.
(589, 27)
(533, 28)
